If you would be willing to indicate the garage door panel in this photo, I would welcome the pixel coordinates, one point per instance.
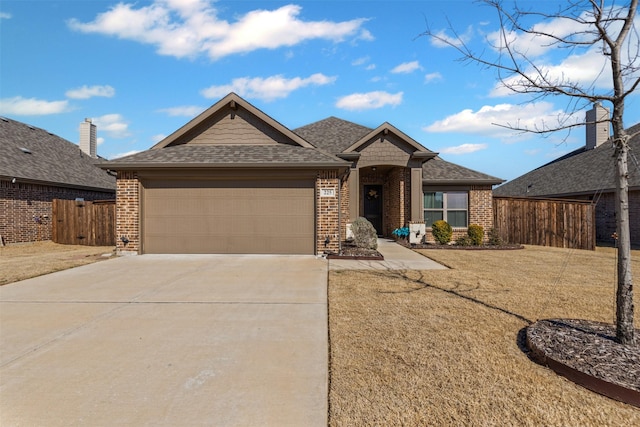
(224, 217)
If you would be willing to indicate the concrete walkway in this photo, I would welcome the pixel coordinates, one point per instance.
(162, 340)
(396, 257)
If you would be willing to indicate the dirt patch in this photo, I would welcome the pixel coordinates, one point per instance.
(23, 261)
(446, 347)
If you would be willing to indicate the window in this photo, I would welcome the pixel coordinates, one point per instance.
(451, 206)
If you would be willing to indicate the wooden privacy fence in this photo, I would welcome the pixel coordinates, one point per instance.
(546, 222)
(84, 223)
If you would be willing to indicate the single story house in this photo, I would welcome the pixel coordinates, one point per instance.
(37, 167)
(234, 180)
(588, 173)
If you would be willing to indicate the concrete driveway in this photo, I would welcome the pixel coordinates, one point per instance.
(165, 340)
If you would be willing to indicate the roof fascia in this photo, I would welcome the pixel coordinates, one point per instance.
(147, 166)
(235, 101)
(462, 182)
(58, 184)
(385, 128)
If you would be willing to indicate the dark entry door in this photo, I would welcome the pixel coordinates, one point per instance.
(373, 206)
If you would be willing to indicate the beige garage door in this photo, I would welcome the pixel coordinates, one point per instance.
(228, 217)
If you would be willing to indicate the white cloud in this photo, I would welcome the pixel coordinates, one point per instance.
(360, 61)
(464, 149)
(370, 100)
(267, 89)
(86, 92)
(128, 153)
(590, 69)
(113, 125)
(406, 67)
(490, 120)
(157, 138)
(191, 28)
(5, 15)
(20, 106)
(100, 140)
(442, 39)
(184, 110)
(431, 77)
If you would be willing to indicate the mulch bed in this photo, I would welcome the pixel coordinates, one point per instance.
(587, 353)
(355, 253)
(459, 247)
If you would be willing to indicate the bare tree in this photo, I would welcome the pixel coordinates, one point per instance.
(587, 24)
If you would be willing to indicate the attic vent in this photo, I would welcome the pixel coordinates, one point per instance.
(4, 119)
(25, 150)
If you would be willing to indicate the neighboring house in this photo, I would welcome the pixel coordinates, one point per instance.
(234, 180)
(588, 173)
(37, 167)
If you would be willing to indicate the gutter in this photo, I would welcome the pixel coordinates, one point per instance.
(140, 166)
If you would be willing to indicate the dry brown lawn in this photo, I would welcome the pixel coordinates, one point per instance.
(443, 347)
(23, 261)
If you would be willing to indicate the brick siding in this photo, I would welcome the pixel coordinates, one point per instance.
(480, 212)
(327, 217)
(606, 217)
(128, 212)
(26, 209)
(397, 205)
(481, 207)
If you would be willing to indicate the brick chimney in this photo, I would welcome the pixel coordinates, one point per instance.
(597, 129)
(88, 139)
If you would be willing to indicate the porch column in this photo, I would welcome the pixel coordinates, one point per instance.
(354, 193)
(417, 212)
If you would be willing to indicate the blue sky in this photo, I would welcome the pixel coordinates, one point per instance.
(142, 69)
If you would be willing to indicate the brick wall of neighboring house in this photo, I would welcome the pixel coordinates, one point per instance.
(606, 217)
(128, 212)
(26, 209)
(327, 216)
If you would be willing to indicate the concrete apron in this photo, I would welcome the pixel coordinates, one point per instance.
(167, 340)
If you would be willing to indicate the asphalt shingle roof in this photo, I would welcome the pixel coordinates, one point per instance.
(437, 171)
(332, 134)
(257, 155)
(336, 135)
(579, 172)
(47, 159)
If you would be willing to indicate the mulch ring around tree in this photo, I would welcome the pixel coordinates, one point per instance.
(588, 354)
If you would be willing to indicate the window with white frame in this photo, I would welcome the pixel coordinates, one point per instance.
(451, 206)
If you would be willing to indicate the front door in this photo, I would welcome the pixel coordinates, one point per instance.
(373, 206)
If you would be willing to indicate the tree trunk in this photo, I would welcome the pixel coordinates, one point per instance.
(624, 294)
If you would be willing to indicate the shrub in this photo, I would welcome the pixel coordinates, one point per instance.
(364, 234)
(464, 241)
(494, 237)
(476, 234)
(442, 232)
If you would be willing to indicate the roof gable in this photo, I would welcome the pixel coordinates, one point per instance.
(382, 133)
(232, 121)
(34, 155)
